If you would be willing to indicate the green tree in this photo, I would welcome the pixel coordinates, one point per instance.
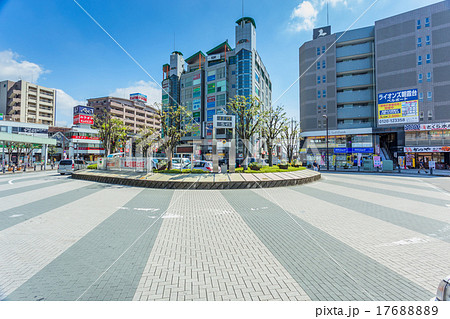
(291, 138)
(112, 131)
(272, 124)
(248, 119)
(147, 138)
(176, 122)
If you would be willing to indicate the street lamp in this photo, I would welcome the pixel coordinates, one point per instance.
(328, 164)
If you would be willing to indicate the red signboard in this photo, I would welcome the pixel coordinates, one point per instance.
(85, 138)
(197, 76)
(211, 99)
(91, 149)
(83, 119)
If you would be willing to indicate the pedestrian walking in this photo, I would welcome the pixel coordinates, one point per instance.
(421, 167)
(316, 168)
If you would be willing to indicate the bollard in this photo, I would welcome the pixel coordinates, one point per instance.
(14, 169)
(431, 171)
(24, 168)
(399, 169)
(359, 168)
(41, 167)
(4, 170)
(335, 168)
(35, 167)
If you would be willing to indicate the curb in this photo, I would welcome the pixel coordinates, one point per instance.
(195, 185)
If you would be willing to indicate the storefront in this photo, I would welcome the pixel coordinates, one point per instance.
(343, 147)
(427, 142)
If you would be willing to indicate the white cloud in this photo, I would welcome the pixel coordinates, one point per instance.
(149, 88)
(11, 68)
(64, 107)
(304, 16)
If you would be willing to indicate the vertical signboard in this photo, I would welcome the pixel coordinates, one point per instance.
(398, 107)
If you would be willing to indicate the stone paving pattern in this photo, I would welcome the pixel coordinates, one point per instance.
(345, 237)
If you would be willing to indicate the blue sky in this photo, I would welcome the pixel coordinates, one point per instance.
(55, 44)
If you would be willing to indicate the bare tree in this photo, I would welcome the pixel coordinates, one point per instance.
(290, 138)
(273, 123)
(175, 123)
(248, 119)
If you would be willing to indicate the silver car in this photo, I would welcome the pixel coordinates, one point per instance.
(68, 166)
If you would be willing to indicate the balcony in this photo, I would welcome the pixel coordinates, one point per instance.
(357, 49)
(354, 80)
(355, 96)
(354, 65)
(355, 112)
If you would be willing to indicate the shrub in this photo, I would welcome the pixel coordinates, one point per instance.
(255, 166)
(162, 164)
(92, 166)
(283, 164)
(297, 163)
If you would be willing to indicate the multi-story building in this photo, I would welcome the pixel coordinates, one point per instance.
(135, 114)
(26, 102)
(386, 89)
(412, 56)
(204, 83)
(337, 84)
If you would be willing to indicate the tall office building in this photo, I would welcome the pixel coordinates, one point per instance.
(337, 83)
(384, 88)
(204, 83)
(26, 102)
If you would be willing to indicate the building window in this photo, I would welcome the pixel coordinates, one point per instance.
(427, 22)
(428, 40)
(318, 51)
(420, 96)
(221, 86)
(318, 80)
(325, 107)
(429, 77)
(429, 96)
(220, 100)
(419, 60)
(323, 64)
(220, 73)
(421, 115)
(324, 93)
(428, 58)
(318, 94)
(420, 77)
(430, 117)
(318, 107)
(318, 65)
(324, 79)
(418, 25)
(323, 49)
(419, 42)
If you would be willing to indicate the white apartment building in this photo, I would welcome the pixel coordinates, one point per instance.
(26, 102)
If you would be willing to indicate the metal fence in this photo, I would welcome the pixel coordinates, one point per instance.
(132, 164)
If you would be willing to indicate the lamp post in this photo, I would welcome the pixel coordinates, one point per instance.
(328, 164)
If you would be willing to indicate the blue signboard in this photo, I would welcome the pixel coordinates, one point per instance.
(210, 114)
(211, 78)
(398, 96)
(345, 150)
(211, 104)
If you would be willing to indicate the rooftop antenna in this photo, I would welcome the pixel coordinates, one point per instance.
(174, 41)
(328, 20)
(242, 22)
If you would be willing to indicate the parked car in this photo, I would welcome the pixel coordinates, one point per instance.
(68, 166)
(203, 165)
(179, 163)
(443, 291)
(114, 155)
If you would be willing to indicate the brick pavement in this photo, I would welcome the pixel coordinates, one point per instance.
(348, 237)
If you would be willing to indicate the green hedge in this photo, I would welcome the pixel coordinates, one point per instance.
(92, 166)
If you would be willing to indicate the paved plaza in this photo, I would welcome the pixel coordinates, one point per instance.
(345, 237)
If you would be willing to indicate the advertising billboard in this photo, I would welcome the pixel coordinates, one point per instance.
(84, 110)
(138, 97)
(398, 107)
(321, 32)
(83, 119)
